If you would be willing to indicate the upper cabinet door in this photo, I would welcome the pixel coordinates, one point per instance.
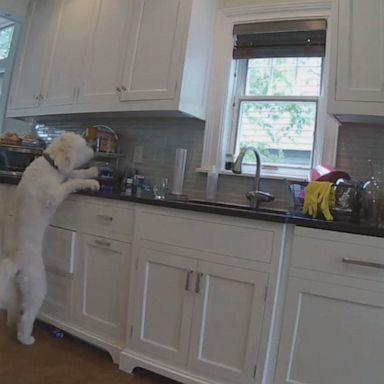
(360, 66)
(228, 320)
(111, 26)
(31, 60)
(67, 53)
(154, 54)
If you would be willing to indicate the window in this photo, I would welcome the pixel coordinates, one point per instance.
(7, 38)
(278, 68)
(275, 109)
(6, 34)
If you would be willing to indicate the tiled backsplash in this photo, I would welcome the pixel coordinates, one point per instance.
(357, 144)
(159, 138)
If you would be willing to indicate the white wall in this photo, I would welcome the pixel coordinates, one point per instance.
(15, 7)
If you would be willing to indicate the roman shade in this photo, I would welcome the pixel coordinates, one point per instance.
(293, 38)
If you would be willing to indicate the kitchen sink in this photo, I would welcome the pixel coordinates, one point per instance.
(240, 207)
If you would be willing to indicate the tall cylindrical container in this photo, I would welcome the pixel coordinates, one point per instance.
(211, 189)
(178, 171)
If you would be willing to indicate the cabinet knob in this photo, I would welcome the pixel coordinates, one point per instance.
(124, 88)
(198, 282)
(103, 243)
(188, 280)
(118, 89)
(105, 217)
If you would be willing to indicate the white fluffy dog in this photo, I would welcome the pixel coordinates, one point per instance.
(45, 184)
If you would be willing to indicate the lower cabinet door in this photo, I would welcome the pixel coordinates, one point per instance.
(59, 249)
(164, 304)
(331, 334)
(58, 302)
(102, 286)
(227, 321)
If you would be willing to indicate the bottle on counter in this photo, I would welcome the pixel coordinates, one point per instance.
(229, 162)
(128, 186)
(138, 182)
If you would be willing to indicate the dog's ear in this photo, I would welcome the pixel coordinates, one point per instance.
(63, 159)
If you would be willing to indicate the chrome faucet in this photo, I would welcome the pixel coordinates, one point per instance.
(256, 196)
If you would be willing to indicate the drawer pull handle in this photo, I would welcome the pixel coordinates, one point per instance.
(105, 217)
(103, 243)
(198, 282)
(188, 280)
(348, 260)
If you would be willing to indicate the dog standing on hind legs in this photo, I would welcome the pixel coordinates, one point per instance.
(45, 183)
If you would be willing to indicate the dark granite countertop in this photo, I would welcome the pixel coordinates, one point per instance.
(267, 214)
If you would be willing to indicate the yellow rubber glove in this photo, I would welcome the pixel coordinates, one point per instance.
(311, 199)
(326, 200)
(319, 196)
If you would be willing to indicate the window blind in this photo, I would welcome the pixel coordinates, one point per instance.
(293, 38)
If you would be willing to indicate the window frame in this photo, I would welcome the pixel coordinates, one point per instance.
(222, 85)
(240, 74)
(6, 67)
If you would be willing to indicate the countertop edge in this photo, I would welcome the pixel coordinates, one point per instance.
(289, 218)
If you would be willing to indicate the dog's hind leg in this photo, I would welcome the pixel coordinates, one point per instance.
(33, 288)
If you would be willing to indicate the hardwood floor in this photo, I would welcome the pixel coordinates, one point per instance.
(59, 361)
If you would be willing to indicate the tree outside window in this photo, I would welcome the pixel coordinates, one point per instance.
(278, 108)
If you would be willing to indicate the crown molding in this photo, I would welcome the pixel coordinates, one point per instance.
(265, 8)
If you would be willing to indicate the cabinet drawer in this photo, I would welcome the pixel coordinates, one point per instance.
(112, 221)
(58, 302)
(232, 237)
(336, 253)
(66, 215)
(59, 250)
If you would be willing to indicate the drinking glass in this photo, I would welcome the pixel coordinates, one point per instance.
(160, 188)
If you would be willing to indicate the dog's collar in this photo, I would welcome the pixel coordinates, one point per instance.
(50, 160)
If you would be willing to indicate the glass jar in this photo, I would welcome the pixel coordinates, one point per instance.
(373, 200)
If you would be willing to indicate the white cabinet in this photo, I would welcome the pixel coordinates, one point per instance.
(152, 65)
(358, 73)
(164, 305)
(8, 237)
(115, 55)
(62, 74)
(88, 270)
(360, 70)
(200, 306)
(3, 203)
(205, 316)
(111, 29)
(334, 310)
(102, 286)
(331, 334)
(31, 61)
(228, 318)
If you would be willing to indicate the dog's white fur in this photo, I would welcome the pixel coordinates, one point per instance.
(41, 190)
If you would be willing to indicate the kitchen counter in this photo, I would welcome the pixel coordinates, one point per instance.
(267, 214)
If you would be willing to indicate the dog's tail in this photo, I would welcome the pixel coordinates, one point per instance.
(8, 270)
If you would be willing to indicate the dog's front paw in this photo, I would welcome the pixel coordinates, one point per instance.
(26, 340)
(93, 172)
(93, 185)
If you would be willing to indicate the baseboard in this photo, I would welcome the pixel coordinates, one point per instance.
(129, 360)
(85, 335)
